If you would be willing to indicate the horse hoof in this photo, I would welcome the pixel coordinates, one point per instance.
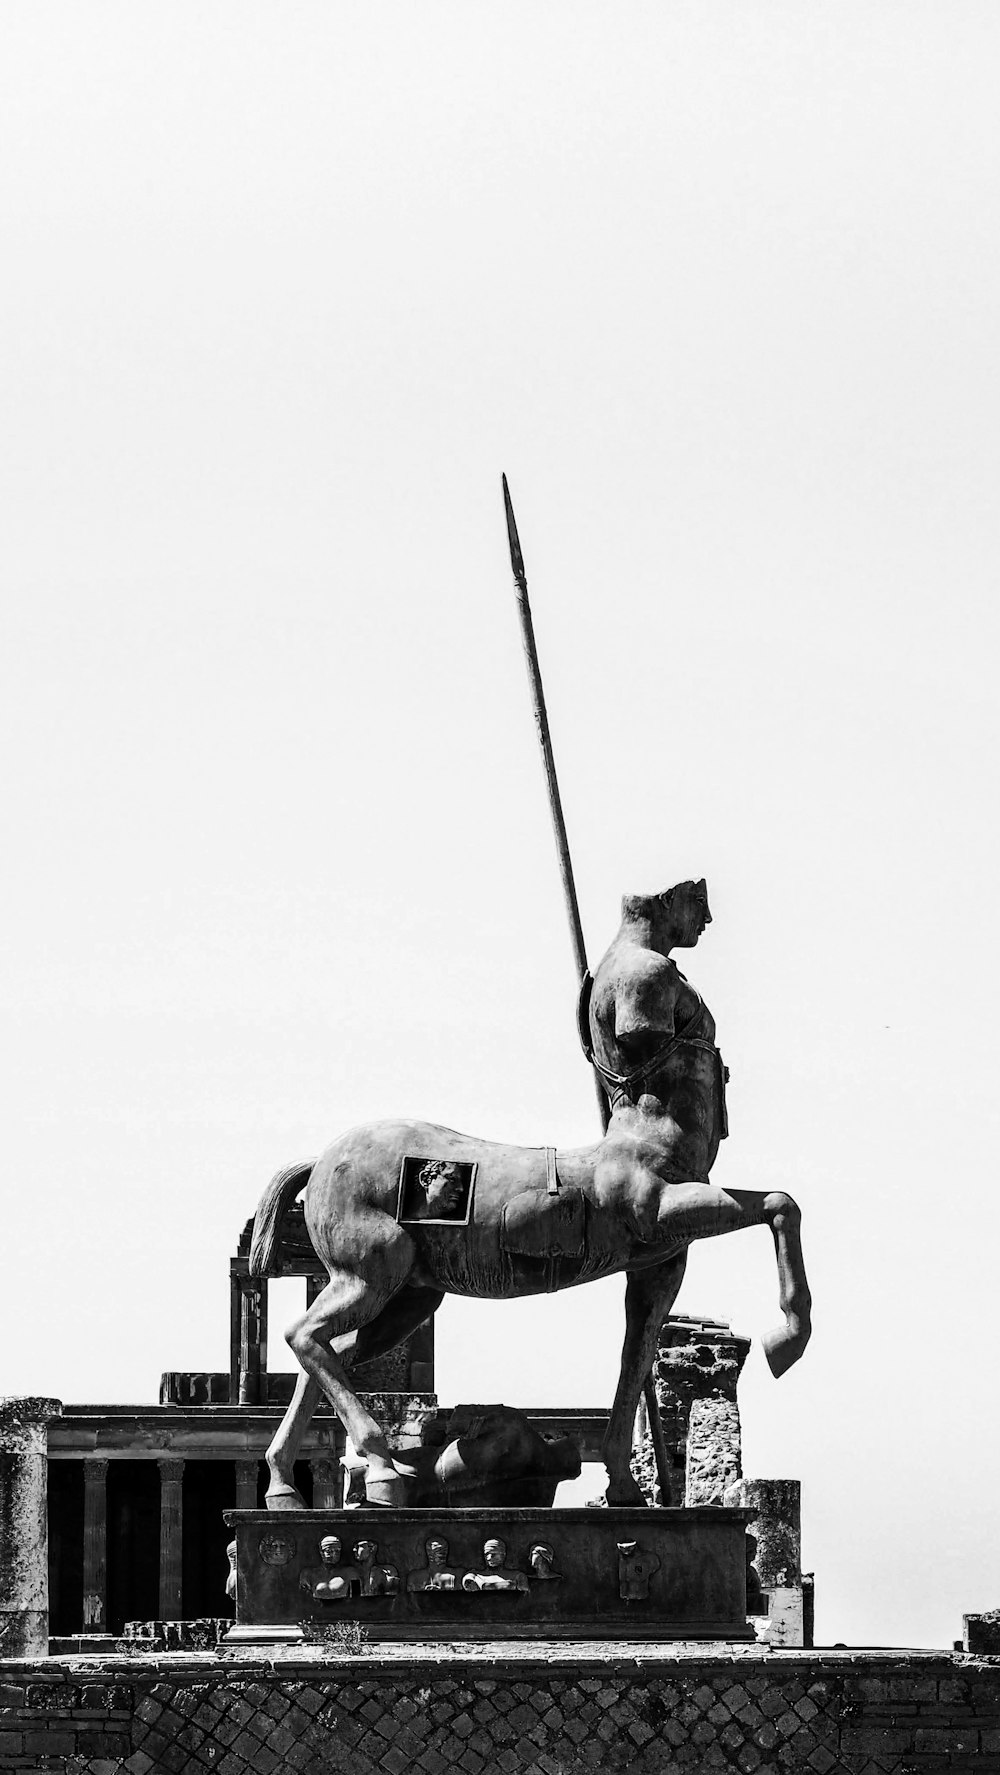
(783, 1348)
(622, 1497)
(284, 1497)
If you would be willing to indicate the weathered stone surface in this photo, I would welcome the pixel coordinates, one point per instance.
(24, 1576)
(776, 1526)
(775, 1534)
(540, 1710)
(714, 1451)
(982, 1632)
(697, 1364)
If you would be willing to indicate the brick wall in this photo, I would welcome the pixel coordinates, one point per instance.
(540, 1710)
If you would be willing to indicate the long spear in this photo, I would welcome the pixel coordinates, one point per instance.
(569, 887)
(548, 761)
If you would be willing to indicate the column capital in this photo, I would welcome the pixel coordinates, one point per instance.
(95, 1469)
(23, 1422)
(171, 1470)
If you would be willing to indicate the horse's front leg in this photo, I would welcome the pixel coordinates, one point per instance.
(649, 1296)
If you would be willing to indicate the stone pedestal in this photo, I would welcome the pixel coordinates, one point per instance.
(24, 1572)
(491, 1575)
(695, 1372)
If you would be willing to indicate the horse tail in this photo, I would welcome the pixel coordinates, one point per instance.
(271, 1210)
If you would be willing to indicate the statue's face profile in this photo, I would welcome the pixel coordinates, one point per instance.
(540, 1557)
(437, 1551)
(329, 1550)
(494, 1553)
(442, 1186)
(687, 912)
(365, 1550)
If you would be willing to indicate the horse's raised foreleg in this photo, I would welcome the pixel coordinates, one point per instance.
(649, 1296)
(703, 1211)
(407, 1309)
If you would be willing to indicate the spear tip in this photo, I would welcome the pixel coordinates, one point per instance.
(516, 557)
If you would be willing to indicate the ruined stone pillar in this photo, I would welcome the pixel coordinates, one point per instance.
(695, 1372)
(777, 1530)
(95, 1545)
(24, 1536)
(253, 1341)
(171, 1538)
(328, 1483)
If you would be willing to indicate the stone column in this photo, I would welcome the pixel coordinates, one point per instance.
(777, 1531)
(24, 1529)
(171, 1538)
(253, 1341)
(695, 1372)
(328, 1483)
(246, 1485)
(95, 1546)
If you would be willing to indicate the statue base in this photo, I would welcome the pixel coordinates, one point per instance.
(496, 1574)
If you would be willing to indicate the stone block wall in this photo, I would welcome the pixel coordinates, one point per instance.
(548, 1709)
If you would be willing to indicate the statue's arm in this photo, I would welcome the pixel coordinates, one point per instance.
(645, 1001)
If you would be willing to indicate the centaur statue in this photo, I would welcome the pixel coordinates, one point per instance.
(403, 1213)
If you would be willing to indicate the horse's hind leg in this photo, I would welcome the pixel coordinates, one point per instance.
(282, 1492)
(407, 1309)
(328, 1329)
(649, 1296)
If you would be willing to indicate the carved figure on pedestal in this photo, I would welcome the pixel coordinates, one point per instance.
(231, 1578)
(498, 1575)
(538, 1220)
(635, 1569)
(376, 1579)
(437, 1574)
(542, 1562)
(330, 1581)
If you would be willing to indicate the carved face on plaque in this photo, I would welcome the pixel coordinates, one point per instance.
(435, 1191)
(276, 1549)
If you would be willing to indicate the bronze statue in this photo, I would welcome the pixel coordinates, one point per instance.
(513, 1221)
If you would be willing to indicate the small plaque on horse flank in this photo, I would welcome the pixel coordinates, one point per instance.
(435, 1192)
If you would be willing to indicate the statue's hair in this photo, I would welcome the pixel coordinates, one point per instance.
(435, 1168)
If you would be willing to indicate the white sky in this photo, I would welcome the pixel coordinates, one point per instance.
(717, 285)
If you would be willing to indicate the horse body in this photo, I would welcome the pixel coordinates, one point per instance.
(534, 1220)
(522, 1237)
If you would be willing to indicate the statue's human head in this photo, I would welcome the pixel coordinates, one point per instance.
(441, 1182)
(686, 913)
(329, 1550)
(436, 1549)
(494, 1553)
(365, 1551)
(542, 1557)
